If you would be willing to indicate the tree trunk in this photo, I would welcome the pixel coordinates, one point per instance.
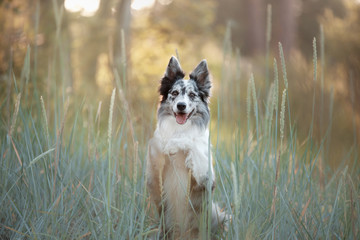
(256, 26)
(288, 24)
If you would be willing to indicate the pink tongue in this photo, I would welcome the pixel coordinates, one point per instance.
(181, 118)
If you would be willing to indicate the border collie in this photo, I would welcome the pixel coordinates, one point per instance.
(179, 166)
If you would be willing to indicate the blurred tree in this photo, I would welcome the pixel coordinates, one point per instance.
(53, 55)
(89, 38)
(15, 21)
(286, 24)
(247, 18)
(123, 21)
(16, 28)
(65, 48)
(294, 22)
(183, 25)
(343, 48)
(308, 23)
(121, 39)
(94, 37)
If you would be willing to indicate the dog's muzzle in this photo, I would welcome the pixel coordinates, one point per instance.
(181, 116)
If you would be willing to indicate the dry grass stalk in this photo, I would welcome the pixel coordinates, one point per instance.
(128, 113)
(13, 124)
(14, 118)
(45, 119)
(135, 166)
(16, 152)
(111, 113)
(352, 210)
(304, 209)
(58, 143)
(282, 120)
(275, 187)
(97, 119)
(90, 135)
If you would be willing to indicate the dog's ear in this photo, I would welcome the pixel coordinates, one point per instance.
(173, 73)
(173, 70)
(201, 76)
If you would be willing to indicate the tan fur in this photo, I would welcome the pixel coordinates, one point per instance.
(181, 215)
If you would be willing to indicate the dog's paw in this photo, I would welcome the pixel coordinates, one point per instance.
(220, 218)
(201, 173)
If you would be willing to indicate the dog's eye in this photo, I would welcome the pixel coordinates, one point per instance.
(192, 95)
(175, 93)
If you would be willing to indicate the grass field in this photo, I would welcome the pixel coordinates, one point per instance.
(70, 170)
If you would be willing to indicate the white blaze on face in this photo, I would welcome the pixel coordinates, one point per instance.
(182, 116)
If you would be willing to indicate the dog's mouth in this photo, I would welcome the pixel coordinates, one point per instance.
(181, 118)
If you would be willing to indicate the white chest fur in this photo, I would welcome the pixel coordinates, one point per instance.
(185, 147)
(191, 140)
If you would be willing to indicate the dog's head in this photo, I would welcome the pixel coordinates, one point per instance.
(185, 100)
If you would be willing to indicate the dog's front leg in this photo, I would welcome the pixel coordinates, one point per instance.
(200, 163)
(154, 169)
(197, 159)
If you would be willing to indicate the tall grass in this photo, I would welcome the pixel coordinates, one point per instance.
(64, 179)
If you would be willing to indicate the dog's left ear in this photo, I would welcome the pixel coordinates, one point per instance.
(201, 76)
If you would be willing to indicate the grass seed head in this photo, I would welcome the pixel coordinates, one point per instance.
(282, 116)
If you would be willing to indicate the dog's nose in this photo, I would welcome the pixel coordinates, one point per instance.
(181, 106)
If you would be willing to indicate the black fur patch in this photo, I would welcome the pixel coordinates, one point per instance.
(200, 75)
(172, 74)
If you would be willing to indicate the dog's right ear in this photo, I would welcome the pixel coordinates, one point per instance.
(173, 72)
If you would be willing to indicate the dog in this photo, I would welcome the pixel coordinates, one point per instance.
(179, 167)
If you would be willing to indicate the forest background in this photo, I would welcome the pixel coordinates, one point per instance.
(89, 48)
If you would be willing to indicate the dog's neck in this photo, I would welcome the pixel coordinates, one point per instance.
(168, 128)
